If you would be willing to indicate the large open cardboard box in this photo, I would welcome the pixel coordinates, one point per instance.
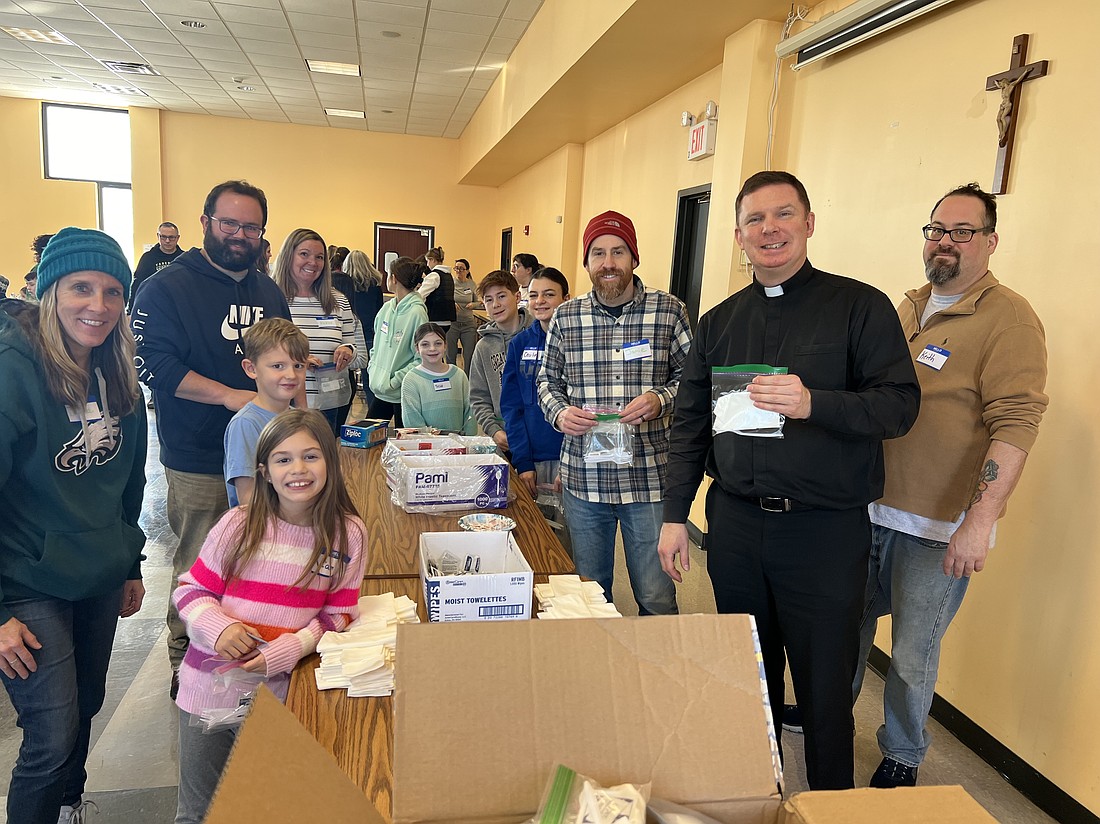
(483, 712)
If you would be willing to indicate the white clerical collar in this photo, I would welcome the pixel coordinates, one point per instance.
(773, 291)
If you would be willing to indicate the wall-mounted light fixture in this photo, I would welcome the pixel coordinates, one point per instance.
(687, 119)
(711, 110)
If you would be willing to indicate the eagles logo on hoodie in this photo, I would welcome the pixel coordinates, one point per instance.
(94, 444)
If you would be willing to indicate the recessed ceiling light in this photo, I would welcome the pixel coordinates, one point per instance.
(391, 34)
(36, 36)
(344, 113)
(247, 88)
(326, 67)
(193, 24)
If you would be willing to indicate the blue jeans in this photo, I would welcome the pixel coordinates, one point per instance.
(56, 704)
(202, 759)
(906, 579)
(592, 532)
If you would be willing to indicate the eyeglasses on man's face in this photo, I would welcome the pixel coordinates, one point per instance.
(231, 227)
(167, 238)
(958, 235)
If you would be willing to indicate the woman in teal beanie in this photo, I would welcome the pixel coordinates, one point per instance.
(73, 437)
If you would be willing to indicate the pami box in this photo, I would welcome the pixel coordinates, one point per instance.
(499, 591)
(365, 433)
(438, 483)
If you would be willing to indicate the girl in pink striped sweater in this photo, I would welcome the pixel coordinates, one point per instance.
(270, 580)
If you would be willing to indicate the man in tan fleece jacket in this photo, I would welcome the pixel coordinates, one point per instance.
(980, 355)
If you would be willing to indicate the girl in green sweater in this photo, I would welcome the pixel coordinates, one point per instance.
(436, 393)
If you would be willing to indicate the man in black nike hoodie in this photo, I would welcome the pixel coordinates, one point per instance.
(188, 321)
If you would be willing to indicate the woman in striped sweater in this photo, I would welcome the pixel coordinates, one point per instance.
(270, 580)
(302, 271)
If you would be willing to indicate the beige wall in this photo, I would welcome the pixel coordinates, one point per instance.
(336, 181)
(30, 205)
(877, 134)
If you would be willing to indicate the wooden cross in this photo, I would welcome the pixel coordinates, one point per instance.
(1009, 83)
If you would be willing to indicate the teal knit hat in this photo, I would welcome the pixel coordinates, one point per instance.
(80, 250)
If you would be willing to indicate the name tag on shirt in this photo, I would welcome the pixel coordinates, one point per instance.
(385, 327)
(637, 350)
(327, 320)
(441, 384)
(91, 413)
(934, 357)
(532, 354)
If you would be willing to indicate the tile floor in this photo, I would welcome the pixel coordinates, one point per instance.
(132, 763)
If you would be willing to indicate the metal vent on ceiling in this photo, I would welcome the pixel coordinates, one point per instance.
(123, 67)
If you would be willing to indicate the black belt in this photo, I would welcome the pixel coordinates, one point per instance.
(773, 504)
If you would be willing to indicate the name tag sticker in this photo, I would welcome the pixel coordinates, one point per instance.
(385, 327)
(327, 320)
(441, 384)
(532, 354)
(91, 413)
(637, 350)
(934, 357)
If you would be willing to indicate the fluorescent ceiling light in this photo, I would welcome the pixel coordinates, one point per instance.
(110, 89)
(344, 113)
(36, 36)
(326, 67)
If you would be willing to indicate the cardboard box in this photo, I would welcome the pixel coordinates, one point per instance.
(674, 700)
(278, 772)
(365, 433)
(500, 591)
(904, 805)
(450, 482)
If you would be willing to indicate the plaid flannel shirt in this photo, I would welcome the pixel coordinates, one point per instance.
(584, 364)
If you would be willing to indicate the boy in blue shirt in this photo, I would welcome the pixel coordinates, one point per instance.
(275, 355)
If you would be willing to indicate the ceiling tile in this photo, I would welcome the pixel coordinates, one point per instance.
(127, 17)
(252, 16)
(502, 46)
(259, 47)
(334, 8)
(66, 11)
(511, 28)
(245, 32)
(467, 23)
(71, 27)
(276, 60)
(489, 8)
(325, 40)
(318, 23)
(300, 74)
(522, 9)
(157, 35)
(455, 40)
(329, 54)
(183, 9)
(388, 85)
(383, 73)
(158, 51)
(379, 62)
(390, 13)
(373, 31)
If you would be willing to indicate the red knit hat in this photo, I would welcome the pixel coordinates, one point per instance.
(611, 223)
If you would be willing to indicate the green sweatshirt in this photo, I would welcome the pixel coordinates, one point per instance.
(394, 352)
(70, 526)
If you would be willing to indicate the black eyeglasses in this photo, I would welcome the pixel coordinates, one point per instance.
(958, 235)
(231, 227)
(171, 237)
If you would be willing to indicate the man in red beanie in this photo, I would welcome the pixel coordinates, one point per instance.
(619, 349)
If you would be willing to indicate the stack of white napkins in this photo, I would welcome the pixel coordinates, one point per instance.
(567, 596)
(360, 659)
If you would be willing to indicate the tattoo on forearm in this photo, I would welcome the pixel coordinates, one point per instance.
(989, 474)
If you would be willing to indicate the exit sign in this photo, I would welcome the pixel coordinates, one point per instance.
(701, 139)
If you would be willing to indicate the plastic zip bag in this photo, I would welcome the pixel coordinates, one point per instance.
(572, 798)
(234, 691)
(333, 386)
(732, 408)
(610, 440)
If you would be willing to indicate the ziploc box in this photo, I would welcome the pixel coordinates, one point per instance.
(364, 434)
(443, 482)
(500, 591)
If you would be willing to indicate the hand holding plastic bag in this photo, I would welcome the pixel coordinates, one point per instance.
(733, 409)
(610, 440)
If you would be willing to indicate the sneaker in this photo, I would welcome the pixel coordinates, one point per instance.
(77, 814)
(173, 690)
(792, 718)
(891, 773)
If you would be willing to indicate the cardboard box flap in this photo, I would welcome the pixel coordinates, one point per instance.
(674, 700)
(903, 805)
(278, 772)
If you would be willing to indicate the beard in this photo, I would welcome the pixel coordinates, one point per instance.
(611, 290)
(234, 253)
(939, 274)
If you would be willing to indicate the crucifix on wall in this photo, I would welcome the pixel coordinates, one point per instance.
(1009, 83)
